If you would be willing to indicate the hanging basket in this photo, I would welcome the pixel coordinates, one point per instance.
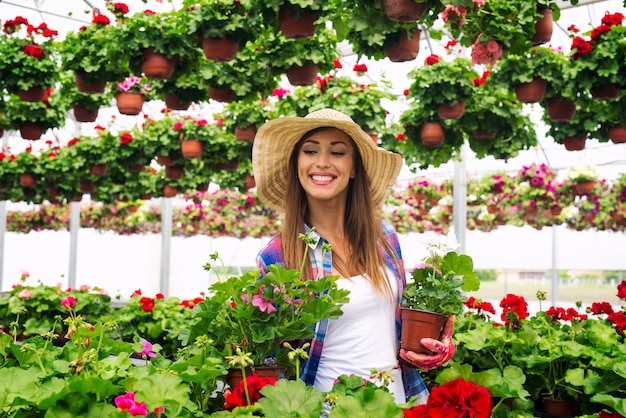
(606, 92)
(405, 49)
(245, 134)
(250, 182)
(230, 166)
(303, 75)
(583, 187)
(224, 95)
(560, 110)
(174, 172)
(129, 103)
(28, 180)
(157, 66)
(484, 135)
(165, 160)
(531, 92)
(617, 134)
(575, 143)
(96, 87)
(32, 131)
(300, 27)
(174, 103)
(136, 168)
(83, 114)
(451, 112)
(220, 49)
(404, 10)
(33, 94)
(544, 27)
(170, 191)
(99, 169)
(87, 186)
(191, 148)
(432, 134)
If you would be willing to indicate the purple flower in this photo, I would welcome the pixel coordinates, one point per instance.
(147, 350)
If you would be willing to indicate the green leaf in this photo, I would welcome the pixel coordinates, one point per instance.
(368, 402)
(290, 398)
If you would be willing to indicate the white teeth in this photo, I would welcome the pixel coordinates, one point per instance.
(322, 178)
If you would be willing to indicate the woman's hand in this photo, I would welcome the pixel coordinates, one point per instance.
(443, 348)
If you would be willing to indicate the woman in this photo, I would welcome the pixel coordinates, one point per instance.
(328, 178)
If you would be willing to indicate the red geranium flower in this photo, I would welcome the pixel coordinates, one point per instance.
(455, 399)
(237, 396)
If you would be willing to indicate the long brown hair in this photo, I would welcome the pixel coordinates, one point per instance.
(362, 226)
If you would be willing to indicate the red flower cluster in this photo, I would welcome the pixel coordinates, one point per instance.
(515, 308)
(237, 397)
(562, 314)
(599, 308)
(34, 51)
(483, 79)
(100, 19)
(147, 304)
(192, 302)
(608, 415)
(360, 68)
(126, 138)
(431, 59)
(473, 303)
(583, 46)
(621, 290)
(455, 399)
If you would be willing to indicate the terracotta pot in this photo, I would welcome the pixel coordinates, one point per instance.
(406, 49)
(484, 135)
(156, 65)
(33, 94)
(560, 110)
(145, 196)
(404, 10)
(99, 169)
(174, 172)
(203, 187)
(606, 92)
(544, 27)
(136, 168)
(224, 95)
(250, 182)
(32, 131)
(235, 376)
(532, 92)
(165, 160)
(297, 27)
(245, 134)
(28, 180)
(451, 112)
(220, 49)
(53, 191)
(83, 114)
(230, 166)
(617, 134)
(560, 408)
(432, 134)
(304, 75)
(418, 324)
(174, 103)
(583, 187)
(96, 87)
(87, 186)
(575, 143)
(129, 103)
(191, 148)
(170, 191)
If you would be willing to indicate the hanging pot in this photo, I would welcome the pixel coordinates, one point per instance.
(575, 143)
(417, 324)
(136, 168)
(129, 103)
(543, 27)
(300, 27)
(583, 187)
(224, 95)
(220, 49)
(560, 110)
(28, 180)
(606, 92)
(245, 134)
(95, 87)
(170, 191)
(174, 103)
(404, 10)
(617, 134)
(451, 112)
(484, 135)
(99, 169)
(87, 186)
(531, 92)
(32, 131)
(83, 114)
(191, 148)
(303, 75)
(174, 172)
(230, 166)
(250, 182)
(156, 65)
(432, 134)
(405, 49)
(33, 94)
(165, 160)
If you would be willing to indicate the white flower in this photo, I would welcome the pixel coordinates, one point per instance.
(581, 172)
(438, 245)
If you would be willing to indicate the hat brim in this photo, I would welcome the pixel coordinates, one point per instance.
(275, 140)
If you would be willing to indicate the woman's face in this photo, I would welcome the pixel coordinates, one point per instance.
(326, 164)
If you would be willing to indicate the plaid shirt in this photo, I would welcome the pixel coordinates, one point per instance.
(272, 254)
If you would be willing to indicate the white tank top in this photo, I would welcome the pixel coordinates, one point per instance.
(364, 337)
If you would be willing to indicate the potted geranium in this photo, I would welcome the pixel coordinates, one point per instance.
(435, 291)
(33, 119)
(296, 19)
(582, 178)
(246, 115)
(131, 94)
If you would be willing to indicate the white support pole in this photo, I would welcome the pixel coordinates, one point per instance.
(555, 270)
(460, 201)
(3, 230)
(166, 241)
(74, 227)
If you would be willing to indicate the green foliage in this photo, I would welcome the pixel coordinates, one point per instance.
(221, 18)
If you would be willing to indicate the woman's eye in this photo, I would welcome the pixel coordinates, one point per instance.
(338, 153)
(308, 152)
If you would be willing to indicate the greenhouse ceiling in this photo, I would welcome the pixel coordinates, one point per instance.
(610, 159)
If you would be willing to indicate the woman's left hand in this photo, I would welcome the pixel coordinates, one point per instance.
(443, 348)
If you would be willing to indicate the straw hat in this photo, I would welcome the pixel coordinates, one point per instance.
(276, 139)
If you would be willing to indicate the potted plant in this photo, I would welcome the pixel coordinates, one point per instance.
(452, 80)
(131, 94)
(33, 119)
(297, 19)
(186, 85)
(246, 115)
(28, 58)
(582, 178)
(436, 288)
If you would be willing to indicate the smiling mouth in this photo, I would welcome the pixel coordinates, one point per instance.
(322, 178)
